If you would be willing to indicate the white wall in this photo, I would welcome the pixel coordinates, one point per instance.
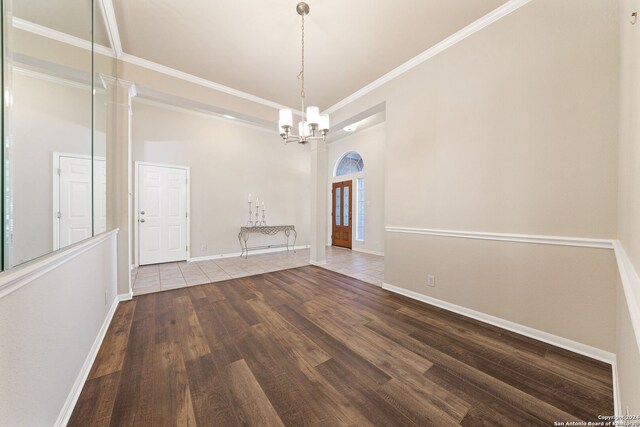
(49, 326)
(370, 144)
(228, 160)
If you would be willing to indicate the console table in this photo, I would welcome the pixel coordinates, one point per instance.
(270, 230)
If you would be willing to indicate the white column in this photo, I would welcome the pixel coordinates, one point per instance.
(319, 183)
(125, 91)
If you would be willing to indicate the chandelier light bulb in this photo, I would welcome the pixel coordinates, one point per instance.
(313, 116)
(286, 118)
(323, 123)
(303, 129)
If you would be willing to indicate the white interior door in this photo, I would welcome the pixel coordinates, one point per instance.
(74, 213)
(162, 214)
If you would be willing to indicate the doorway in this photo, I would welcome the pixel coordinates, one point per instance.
(162, 200)
(341, 195)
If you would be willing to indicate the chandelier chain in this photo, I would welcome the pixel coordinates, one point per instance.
(301, 75)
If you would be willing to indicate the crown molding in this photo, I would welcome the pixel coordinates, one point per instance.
(117, 52)
(457, 37)
(150, 65)
(110, 21)
(131, 59)
(60, 36)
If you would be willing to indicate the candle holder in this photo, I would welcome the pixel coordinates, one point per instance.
(249, 222)
(257, 222)
(264, 222)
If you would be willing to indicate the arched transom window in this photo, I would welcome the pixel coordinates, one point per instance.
(351, 162)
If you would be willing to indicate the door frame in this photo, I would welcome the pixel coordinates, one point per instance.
(56, 191)
(136, 233)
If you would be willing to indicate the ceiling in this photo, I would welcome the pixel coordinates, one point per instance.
(71, 17)
(254, 46)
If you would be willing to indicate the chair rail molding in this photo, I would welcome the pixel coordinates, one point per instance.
(508, 237)
(13, 279)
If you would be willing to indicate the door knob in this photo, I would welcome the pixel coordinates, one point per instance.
(141, 212)
(141, 219)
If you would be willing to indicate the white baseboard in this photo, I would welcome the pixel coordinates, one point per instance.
(74, 394)
(617, 405)
(576, 347)
(367, 251)
(237, 254)
(125, 297)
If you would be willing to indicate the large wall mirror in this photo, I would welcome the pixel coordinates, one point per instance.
(58, 125)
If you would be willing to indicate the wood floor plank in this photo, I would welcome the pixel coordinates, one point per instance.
(486, 408)
(378, 411)
(133, 403)
(288, 337)
(311, 397)
(407, 365)
(237, 300)
(221, 342)
(421, 412)
(253, 405)
(194, 343)
(308, 346)
(275, 381)
(96, 406)
(171, 392)
(334, 347)
(210, 393)
(112, 352)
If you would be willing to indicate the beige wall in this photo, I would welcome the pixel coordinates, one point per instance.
(48, 327)
(228, 160)
(629, 199)
(370, 144)
(561, 290)
(512, 130)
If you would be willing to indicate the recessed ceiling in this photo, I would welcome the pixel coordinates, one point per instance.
(255, 46)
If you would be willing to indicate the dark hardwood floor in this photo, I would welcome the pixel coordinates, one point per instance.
(308, 346)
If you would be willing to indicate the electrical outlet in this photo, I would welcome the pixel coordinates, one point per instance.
(203, 247)
(431, 280)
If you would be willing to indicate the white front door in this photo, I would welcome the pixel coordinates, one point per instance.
(74, 205)
(162, 214)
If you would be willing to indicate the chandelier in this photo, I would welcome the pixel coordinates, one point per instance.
(313, 126)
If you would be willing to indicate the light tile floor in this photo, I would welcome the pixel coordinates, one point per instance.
(366, 267)
(160, 277)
